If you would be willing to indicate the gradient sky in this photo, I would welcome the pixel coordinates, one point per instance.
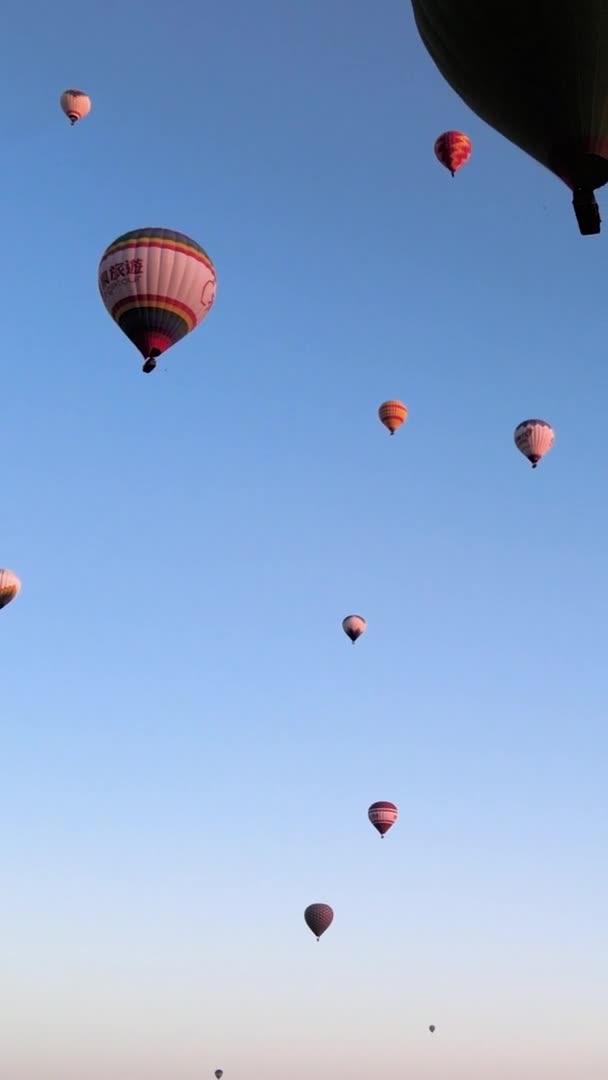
(189, 743)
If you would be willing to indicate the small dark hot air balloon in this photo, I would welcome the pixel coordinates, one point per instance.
(382, 816)
(218, 1074)
(537, 72)
(75, 104)
(392, 414)
(431, 1028)
(354, 626)
(318, 918)
(157, 285)
(9, 587)
(534, 438)
(452, 149)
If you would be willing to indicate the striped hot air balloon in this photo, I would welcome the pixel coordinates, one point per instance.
(75, 104)
(382, 816)
(533, 438)
(392, 414)
(354, 626)
(452, 149)
(318, 918)
(9, 587)
(157, 285)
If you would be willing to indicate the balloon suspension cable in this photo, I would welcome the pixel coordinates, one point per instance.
(453, 173)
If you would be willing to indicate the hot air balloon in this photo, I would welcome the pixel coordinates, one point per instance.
(75, 104)
(9, 587)
(431, 1028)
(157, 285)
(533, 438)
(452, 149)
(382, 816)
(392, 414)
(318, 918)
(537, 72)
(218, 1074)
(354, 626)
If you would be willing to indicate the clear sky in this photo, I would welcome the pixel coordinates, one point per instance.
(189, 743)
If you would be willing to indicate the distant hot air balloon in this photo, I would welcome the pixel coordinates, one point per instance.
(431, 1028)
(9, 587)
(157, 285)
(318, 918)
(392, 414)
(452, 149)
(75, 104)
(537, 72)
(533, 438)
(382, 816)
(354, 626)
(218, 1074)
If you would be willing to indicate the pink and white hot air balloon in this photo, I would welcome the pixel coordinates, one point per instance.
(354, 626)
(533, 438)
(382, 816)
(75, 104)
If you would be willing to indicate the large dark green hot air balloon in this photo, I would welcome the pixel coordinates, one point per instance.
(537, 72)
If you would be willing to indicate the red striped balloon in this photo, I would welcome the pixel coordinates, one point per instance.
(533, 438)
(318, 918)
(452, 149)
(9, 587)
(383, 816)
(392, 414)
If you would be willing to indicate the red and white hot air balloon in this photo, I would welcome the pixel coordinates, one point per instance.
(9, 587)
(392, 414)
(533, 438)
(452, 149)
(75, 104)
(318, 918)
(383, 816)
(354, 626)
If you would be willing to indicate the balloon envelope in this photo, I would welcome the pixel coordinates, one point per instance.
(383, 816)
(9, 587)
(157, 285)
(318, 918)
(533, 438)
(452, 149)
(354, 626)
(75, 104)
(392, 414)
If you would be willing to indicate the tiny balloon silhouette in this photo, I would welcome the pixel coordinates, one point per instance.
(318, 918)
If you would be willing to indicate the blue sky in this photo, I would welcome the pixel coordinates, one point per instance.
(189, 742)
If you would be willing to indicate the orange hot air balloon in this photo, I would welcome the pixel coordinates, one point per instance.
(383, 816)
(392, 414)
(452, 149)
(533, 438)
(9, 587)
(75, 104)
(354, 626)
